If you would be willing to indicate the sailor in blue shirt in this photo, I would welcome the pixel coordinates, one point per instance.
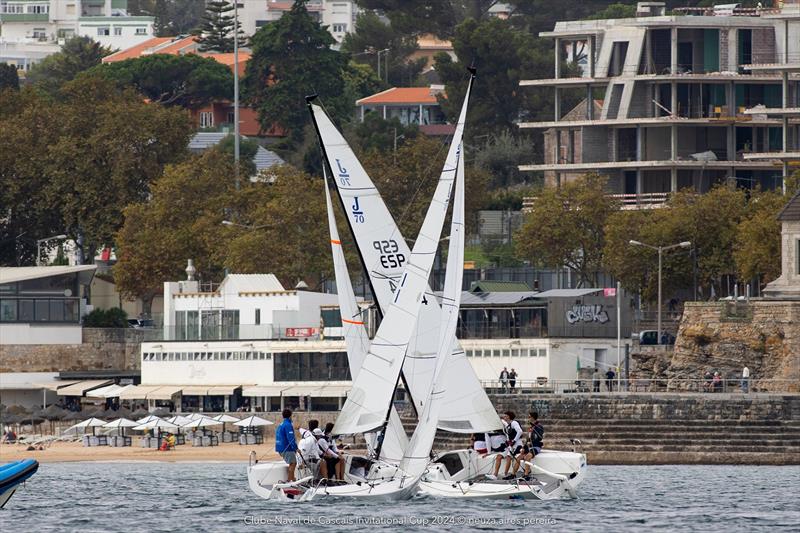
(285, 443)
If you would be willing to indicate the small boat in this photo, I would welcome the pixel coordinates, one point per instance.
(12, 475)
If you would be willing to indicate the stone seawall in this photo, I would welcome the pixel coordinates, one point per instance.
(764, 335)
(680, 428)
(101, 349)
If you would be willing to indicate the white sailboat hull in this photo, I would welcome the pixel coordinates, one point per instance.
(268, 480)
(462, 474)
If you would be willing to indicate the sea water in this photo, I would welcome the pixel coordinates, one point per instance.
(189, 497)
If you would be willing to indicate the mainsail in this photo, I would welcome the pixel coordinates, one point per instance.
(356, 339)
(367, 406)
(383, 251)
(417, 455)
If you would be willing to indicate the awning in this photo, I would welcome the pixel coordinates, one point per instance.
(165, 392)
(195, 390)
(222, 390)
(138, 392)
(55, 385)
(317, 391)
(81, 387)
(111, 391)
(263, 390)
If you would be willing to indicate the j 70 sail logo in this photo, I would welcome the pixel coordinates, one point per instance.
(358, 214)
(344, 177)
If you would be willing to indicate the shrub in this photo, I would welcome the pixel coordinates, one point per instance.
(106, 318)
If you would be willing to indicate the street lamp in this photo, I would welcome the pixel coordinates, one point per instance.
(661, 250)
(385, 60)
(245, 226)
(39, 246)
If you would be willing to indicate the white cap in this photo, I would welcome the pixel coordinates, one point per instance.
(318, 432)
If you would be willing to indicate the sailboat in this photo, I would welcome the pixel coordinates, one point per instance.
(465, 407)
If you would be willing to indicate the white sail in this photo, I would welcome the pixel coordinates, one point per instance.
(367, 406)
(416, 459)
(383, 250)
(395, 440)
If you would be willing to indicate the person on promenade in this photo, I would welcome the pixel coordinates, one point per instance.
(285, 443)
(596, 380)
(716, 383)
(610, 379)
(745, 379)
(709, 378)
(504, 379)
(512, 379)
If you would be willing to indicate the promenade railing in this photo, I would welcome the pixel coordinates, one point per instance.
(614, 386)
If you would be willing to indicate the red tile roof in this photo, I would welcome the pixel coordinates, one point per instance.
(136, 51)
(401, 95)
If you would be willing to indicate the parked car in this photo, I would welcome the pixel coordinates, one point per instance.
(140, 323)
(649, 337)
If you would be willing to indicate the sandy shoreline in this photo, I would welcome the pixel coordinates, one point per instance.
(75, 452)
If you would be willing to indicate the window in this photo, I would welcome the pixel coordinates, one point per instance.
(515, 352)
(260, 23)
(39, 9)
(206, 119)
(39, 33)
(339, 28)
(495, 353)
(331, 318)
(311, 366)
(70, 9)
(13, 9)
(103, 31)
(258, 314)
(117, 30)
(542, 352)
(141, 31)
(506, 353)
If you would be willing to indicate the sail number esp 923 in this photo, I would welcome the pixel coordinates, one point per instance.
(389, 253)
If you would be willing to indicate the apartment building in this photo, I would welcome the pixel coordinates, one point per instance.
(338, 15)
(31, 30)
(666, 102)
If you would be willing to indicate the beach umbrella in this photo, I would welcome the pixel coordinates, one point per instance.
(54, 412)
(156, 423)
(202, 422)
(179, 420)
(146, 419)
(120, 424)
(253, 421)
(72, 415)
(195, 416)
(225, 418)
(93, 423)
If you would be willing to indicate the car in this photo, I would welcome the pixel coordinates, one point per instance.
(141, 323)
(649, 337)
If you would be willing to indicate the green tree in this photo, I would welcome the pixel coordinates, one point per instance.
(110, 146)
(566, 227)
(28, 127)
(615, 11)
(217, 31)
(360, 81)
(291, 59)
(413, 17)
(182, 219)
(77, 55)
(9, 79)
(189, 81)
(106, 318)
(407, 179)
(757, 252)
(371, 35)
(501, 156)
(247, 151)
(379, 134)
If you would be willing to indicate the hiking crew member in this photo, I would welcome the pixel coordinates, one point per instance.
(479, 443)
(513, 433)
(285, 443)
(335, 451)
(309, 451)
(537, 433)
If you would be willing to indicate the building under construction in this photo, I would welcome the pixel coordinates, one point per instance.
(689, 99)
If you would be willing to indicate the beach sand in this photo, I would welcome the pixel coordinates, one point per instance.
(75, 451)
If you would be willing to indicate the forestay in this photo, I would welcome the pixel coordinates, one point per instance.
(395, 440)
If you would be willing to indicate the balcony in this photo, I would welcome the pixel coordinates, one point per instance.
(651, 200)
(24, 17)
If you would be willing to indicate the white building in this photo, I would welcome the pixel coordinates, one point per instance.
(250, 343)
(31, 30)
(338, 15)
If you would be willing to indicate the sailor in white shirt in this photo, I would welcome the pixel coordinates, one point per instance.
(308, 450)
(513, 434)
